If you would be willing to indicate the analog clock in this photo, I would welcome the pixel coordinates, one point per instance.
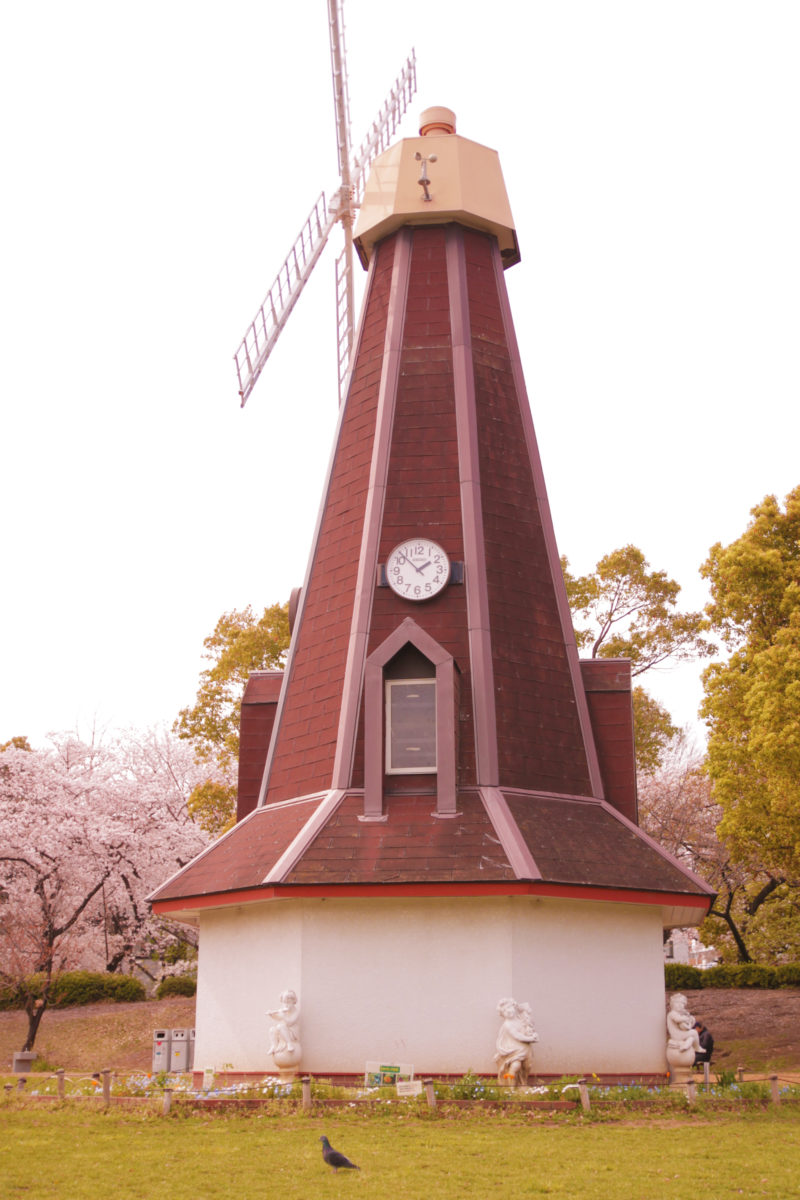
(417, 569)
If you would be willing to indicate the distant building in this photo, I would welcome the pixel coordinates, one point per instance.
(684, 946)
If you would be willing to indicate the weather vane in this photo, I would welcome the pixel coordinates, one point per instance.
(423, 181)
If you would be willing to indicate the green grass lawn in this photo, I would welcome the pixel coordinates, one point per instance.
(73, 1152)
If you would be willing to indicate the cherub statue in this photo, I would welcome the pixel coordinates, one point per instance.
(682, 1034)
(284, 1036)
(517, 1034)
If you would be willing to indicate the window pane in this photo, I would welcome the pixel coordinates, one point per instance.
(411, 726)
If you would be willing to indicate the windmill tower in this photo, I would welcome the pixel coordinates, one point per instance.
(447, 806)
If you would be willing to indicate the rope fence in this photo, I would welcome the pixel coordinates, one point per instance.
(66, 1088)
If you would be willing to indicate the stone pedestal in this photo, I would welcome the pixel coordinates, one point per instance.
(680, 1063)
(287, 1061)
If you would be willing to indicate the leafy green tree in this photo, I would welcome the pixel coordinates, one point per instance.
(623, 609)
(212, 805)
(654, 730)
(752, 700)
(241, 643)
(754, 917)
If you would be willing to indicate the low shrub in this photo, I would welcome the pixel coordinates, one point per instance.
(74, 988)
(739, 975)
(13, 993)
(678, 976)
(124, 988)
(176, 985)
(9, 997)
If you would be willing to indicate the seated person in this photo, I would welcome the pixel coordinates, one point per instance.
(703, 1055)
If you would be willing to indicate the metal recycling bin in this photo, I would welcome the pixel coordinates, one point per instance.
(190, 1062)
(161, 1049)
(179, 1051)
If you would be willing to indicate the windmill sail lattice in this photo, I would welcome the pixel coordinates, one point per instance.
(272, 315)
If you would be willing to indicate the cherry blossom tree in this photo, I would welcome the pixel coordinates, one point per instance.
(755, 913)
(89, 829)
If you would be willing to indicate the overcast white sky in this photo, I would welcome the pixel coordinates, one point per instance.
(159, 159)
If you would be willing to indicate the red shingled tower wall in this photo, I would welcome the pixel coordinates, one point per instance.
(435, 440)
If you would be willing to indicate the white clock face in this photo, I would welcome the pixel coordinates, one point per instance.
(417, 569)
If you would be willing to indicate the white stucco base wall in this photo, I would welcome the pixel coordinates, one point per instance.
(418, 981)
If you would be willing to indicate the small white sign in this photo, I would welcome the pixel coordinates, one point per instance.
(409, 1087)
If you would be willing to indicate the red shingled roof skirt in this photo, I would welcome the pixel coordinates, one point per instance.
(535, 778)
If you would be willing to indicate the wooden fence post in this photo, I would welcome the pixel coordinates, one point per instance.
(167, 1100)
(740, 1074)
(430, 1094)
(306, 1082)
(706, 1075)
(774, 1090)
(107, 1087)
(691, 1091)
(60, 1083)
(584, 1094)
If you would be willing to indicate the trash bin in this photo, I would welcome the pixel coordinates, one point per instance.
(190, 1061)
(179, 1051)
(161, 1047)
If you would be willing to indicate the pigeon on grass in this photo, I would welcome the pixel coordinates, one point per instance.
(333, 1158)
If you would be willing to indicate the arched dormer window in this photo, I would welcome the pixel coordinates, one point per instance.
(409, 718)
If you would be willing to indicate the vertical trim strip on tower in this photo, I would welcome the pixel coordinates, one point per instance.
(477, 589)
(595, 778)
(373, 513)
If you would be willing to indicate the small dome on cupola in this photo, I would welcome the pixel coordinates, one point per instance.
(437, 120)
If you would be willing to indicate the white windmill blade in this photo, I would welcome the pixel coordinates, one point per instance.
(345, 284)
(384, 127)
(341, 93)
(377, 140)
(272, 315)
(264, 330)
